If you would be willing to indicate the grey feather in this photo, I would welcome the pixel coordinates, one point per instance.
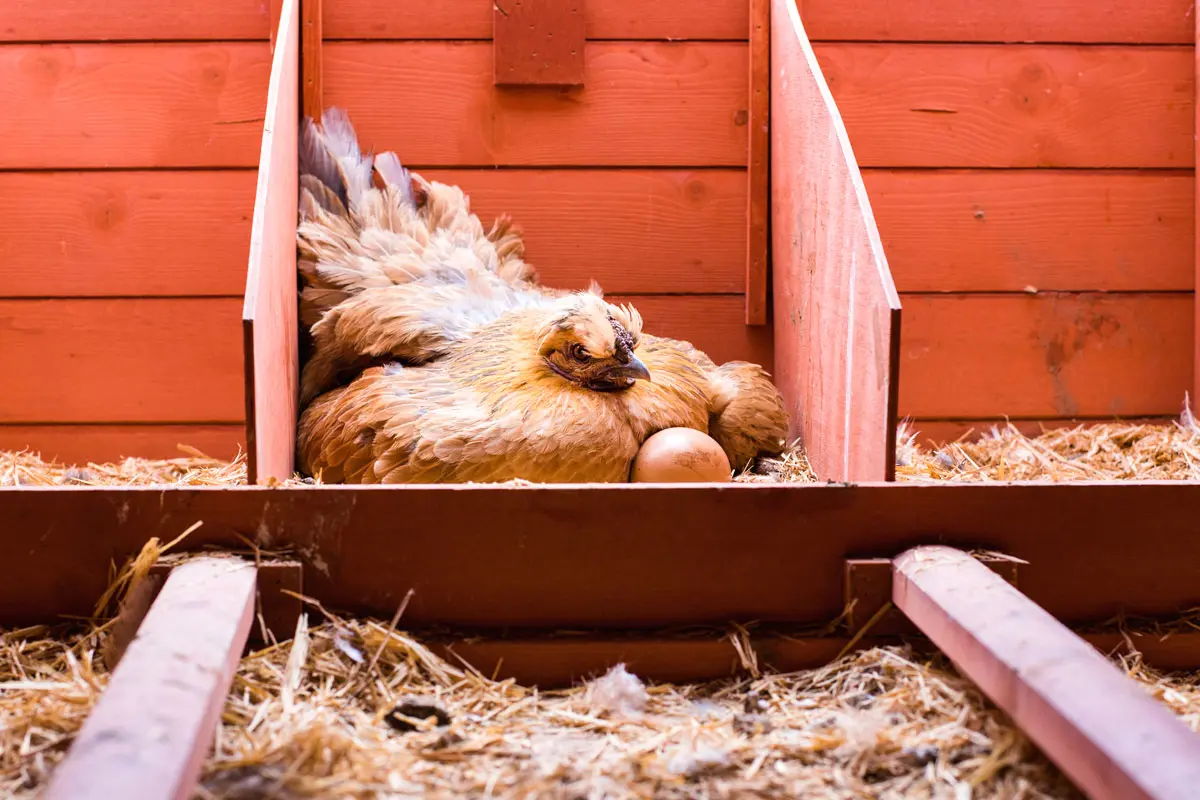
(315, 160)
(394, 174)
(341, 142)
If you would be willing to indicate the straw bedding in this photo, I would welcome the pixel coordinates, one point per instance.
(310, 717)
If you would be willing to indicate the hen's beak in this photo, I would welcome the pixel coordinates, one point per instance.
(635, 369)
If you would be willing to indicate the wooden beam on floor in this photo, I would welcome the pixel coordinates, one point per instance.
(149, 733)
(1106, 733)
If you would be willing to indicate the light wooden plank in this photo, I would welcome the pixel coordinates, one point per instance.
(915, 105)
(81, 234)
(539, 42)
(128, 360)
(758, 165)
(1162, 22)
(837, 315)
(1053, 230)
(144, 20)
(1054, 355)
(152, 727)
(1108, 735)
(634, 231)
(269, 314)
(79, 444)
(472, 19)
(644, 104)
(131, 105)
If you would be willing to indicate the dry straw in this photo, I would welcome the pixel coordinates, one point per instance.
(311, 717)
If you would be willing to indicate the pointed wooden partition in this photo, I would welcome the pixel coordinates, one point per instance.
(837, 314)
(269, 324)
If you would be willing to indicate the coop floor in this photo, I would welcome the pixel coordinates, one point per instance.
(1110, 451)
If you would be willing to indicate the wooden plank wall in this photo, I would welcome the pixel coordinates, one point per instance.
(1035, 199)
(127, 151)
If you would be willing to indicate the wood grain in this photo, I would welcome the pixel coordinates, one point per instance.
(1052, 355)
(83, 20)
(79, 444)
(696, 564)
(78, 234)
(1111, 737)
(154, 724)
(1007, 231)
(936, 432)
(758, 166)
(128, 360)
(472, 19)
(312, 59)
(132, 105)
(539, 42)
(837, 315)
(634, 231)
(269, 312)
(1163, 22)
(914, 105)
(645, 104)
(714, 324)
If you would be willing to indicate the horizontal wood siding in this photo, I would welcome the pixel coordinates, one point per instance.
(1030, 165)
(126, 188)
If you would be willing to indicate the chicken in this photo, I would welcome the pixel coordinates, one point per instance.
(436, 356)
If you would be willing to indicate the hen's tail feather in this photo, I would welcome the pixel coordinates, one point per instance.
(341, 144)
(395, 175)
(317, 163)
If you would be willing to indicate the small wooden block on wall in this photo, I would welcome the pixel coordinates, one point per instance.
(538, 42)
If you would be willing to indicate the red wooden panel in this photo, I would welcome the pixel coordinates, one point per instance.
(645, 104)
(1007, 231)
(85, 20)
(837, 315)
(634, 231)
(131, 105)
(312, 14)
(1056, 355)
(758, 165)
(128, 360)
(472, 19)
(1195, 393)
(1107, 733)
(269, 324)
(934, 432)
(1162, 22)
(913, 105)
(538, 42)
(155, 722)
(72, 234)
(77, 444)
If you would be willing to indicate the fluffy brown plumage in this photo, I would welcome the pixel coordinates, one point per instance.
(435, 356)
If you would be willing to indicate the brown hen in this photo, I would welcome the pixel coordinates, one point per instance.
(435, 356)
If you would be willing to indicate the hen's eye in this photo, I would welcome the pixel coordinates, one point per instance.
(579, 352)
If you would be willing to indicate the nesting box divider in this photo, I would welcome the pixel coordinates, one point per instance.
(837, 313)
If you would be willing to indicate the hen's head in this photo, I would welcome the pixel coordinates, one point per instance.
(590, 342)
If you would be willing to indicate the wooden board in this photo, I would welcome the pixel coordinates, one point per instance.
(76, 444)
(132, 105)
(837, 315)
(679, 557)
(83, 20)
(1005, 231)
(635, 231)
(135, 361)
(269, 313)
(1163, 22)
(312, 61)
(758, 166)
(916, 105)
(940, 431)
(645, 104)
(1053, 355)
(472, 19)
(81, 234)
(538, 42)
(1107, 733)
(156, 720)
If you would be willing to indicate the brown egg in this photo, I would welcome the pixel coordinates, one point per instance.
(680, 455)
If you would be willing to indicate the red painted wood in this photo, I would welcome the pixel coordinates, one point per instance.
(312, 60)
(269, 321)
(538, 42)
(837, 315)
(79, 444)
(758, 165)
(152, 727)
(1106, 733)
(142, 20)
